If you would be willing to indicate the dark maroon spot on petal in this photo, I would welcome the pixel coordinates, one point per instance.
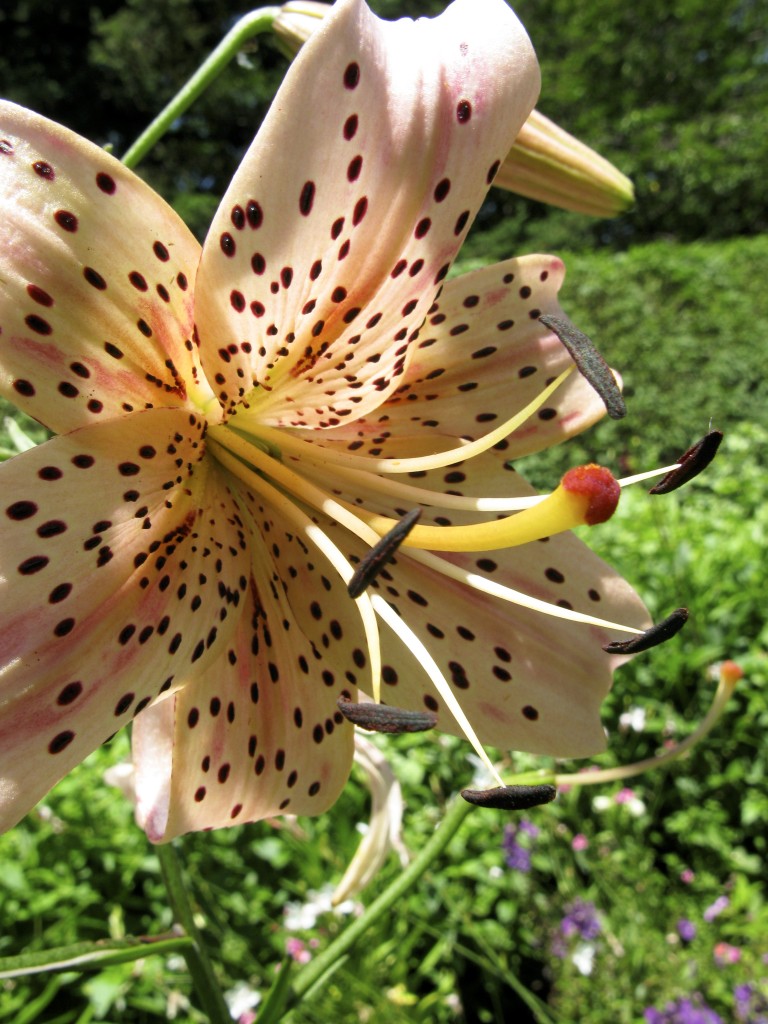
(442, 273)
(422, 227)
(223, 773)
(32, 565)
(461, 222)
(193, 718)
(42, 298)
(463, 111)
(254, 214)
(350, 127)
(43, 170)
(398, 268)
(161, 252)
(200, 794)
(227, 244)
(60, 593)
(162, 291)
(314, 789)
(458, 329)
(80, 370)
(128, 469)
(493, 171)
(68, 390)
(361, 208)
(66, 220)
(316, 270)
(416, 267)
(24, 387)
(38, 324)
(144, 327)
(60, 742)
(181, 280)
(69, 693)
(52, 528)
(94, 278)
(352, 75)
(237, 301)
(530, 713)
(147, 451)
(339, 294)
(20, 510)
(286, 276)
(337, 227)
(50, 473)
(137, 280)
(64, 627)
(83, 461)
(354, 168)
(343, 250)
(106, 183)
(258, 263)
(237, 216)
(307, 198)
(442, 188)
(351, 314)
(525, 292)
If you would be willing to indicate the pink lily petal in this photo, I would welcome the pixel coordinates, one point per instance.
(259, 733)
(114, 586)
(96, 275)
(525, 680)
(344, 217)
(481, 356)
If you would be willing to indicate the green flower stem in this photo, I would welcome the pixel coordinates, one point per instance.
(246, 28)
(198, 962)
(325, 961)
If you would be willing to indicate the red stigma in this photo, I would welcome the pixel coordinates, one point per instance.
(598, 485)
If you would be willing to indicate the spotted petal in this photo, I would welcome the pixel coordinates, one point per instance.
(481, 356)
(525, 680)
(347, 212)
(96, 274)
(259, 733)
(113, 586)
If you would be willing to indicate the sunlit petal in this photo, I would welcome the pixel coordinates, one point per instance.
(345, 215)
(259, 733)
(96, 276)
(481, 356)
(115, 585)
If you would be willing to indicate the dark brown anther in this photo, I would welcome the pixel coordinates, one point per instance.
(374, 561)
(510, 798)
(589, 363)
(692, 462)
(652, 637)
(383, 718)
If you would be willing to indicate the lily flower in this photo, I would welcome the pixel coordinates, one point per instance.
(239, 425)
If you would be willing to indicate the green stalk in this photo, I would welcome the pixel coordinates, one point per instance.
(198, 961)
(246, 28)
(324, 963)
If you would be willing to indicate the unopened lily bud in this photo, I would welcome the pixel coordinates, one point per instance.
(548, 164)
(297, 21)
(545, 163)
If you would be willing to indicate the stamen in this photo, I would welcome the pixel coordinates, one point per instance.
(375, 560)
(430, 666)
(438, 460)
(586, 495)
(589, 363)
(384, 718)
(652, 637)
(510, 798)
(488, 586)
(691, 463)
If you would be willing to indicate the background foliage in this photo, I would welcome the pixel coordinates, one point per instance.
(673, 292)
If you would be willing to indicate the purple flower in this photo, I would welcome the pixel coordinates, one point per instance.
(716, 908)
(686, 929)
(580, 919)
(517, 855)
(751, 1006)
(683, 1011)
